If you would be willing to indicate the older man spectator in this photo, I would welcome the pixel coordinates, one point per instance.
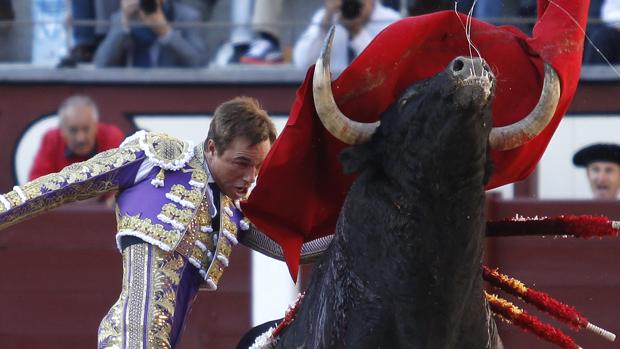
(602, 163)
(78, 137)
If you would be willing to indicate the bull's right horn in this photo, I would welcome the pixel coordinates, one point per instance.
(338, 124)
(515, 135)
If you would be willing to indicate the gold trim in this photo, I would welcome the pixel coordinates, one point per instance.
(181, 215)
(194, 196)
(168, 150)
(224, 247)
(150, 229)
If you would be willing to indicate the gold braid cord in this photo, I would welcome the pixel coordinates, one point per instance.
(79, 181)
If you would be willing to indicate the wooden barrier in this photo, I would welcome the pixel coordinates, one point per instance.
(582, 273)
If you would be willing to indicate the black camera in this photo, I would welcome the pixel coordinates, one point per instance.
(350, 9)
(148, 6)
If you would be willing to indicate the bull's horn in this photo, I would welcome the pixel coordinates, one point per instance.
(514, 135)
(338, 124)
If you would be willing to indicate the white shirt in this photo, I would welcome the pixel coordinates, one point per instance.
(610, 13)
(308, 46)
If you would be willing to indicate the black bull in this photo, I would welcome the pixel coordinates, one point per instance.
(404, 267)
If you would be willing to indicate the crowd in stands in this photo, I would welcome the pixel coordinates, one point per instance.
(173, 33)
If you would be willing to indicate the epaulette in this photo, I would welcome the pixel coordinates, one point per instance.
(165, 151)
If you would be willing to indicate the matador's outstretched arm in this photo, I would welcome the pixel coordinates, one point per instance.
(258, 241)
(105, 172)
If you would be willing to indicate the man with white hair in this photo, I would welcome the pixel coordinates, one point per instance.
(78, 137)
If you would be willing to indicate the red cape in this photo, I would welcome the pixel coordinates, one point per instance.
(301, 186)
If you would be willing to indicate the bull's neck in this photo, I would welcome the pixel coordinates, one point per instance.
(432, 224)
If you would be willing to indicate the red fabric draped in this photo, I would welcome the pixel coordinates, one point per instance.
(301, 186)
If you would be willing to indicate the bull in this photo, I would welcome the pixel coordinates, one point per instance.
(404, 267)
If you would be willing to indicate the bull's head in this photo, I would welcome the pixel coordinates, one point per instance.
(464, 71)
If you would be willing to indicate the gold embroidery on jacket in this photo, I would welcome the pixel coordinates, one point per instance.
(188, 246)
(199, 176)
(75, 182)
(193, 196)
(224, 246)
(179, 216)
(145, 226)
(167, 149)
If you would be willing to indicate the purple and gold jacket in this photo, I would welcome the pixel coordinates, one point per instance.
(163, 198)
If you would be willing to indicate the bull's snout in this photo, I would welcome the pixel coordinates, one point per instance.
(473, 80)
(466, 67)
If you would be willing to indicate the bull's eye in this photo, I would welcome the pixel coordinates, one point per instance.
(402, 104)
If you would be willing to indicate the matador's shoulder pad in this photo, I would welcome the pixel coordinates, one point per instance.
(166, 151)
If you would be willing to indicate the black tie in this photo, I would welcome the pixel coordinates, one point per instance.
(350, 52)
(215, 224)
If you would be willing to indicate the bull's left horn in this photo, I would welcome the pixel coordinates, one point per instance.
(515, 135)
(338, 124)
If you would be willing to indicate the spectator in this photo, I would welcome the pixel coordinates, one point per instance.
(602, 163)
(87, 36)
(420, 7)
(606, 38)
(265, 47)
(357, 23)
(6, 10)
(515, 11)
(255, 35)
(78, 137)
(49, 31)
(144, 37)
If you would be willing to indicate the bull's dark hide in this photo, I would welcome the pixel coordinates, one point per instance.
(404, 268)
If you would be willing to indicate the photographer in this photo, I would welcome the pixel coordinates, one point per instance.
(142, 35)
(357, 23)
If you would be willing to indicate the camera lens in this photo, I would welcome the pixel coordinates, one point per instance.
(350, 9)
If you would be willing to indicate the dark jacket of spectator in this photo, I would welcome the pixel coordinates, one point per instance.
(6, 10)
(140, 47)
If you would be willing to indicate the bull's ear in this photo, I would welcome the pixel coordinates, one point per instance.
(356, 158)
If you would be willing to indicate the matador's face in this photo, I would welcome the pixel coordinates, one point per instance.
(236, 168)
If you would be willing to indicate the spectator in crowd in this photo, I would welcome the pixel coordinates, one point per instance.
(6, 10)
(420, 7)
(265, 47)
(142, 36)
(78, 137)
(255, 33)
(357, 23)
(602, 163)
(606, 37)
(87, 36)
(515, 11)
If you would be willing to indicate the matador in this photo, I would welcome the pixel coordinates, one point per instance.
(178, 216)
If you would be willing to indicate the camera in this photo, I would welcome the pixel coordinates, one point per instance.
(148, 6)
(350, 9)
